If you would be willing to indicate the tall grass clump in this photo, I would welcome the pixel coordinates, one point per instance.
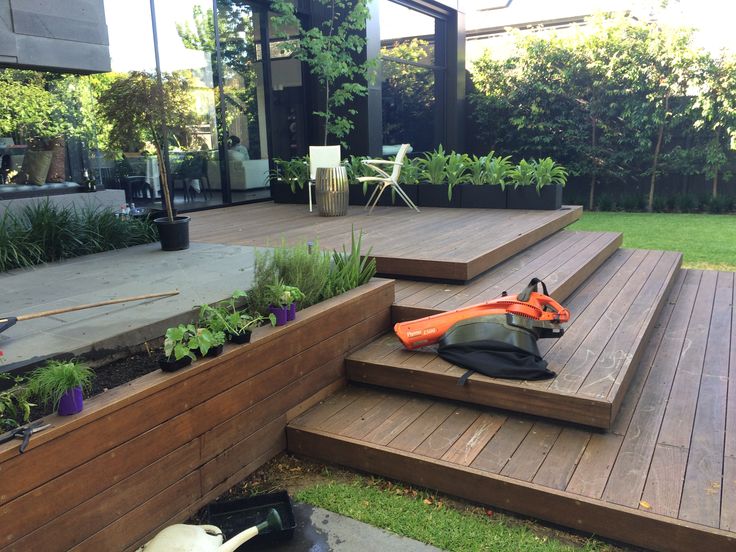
(44, 232)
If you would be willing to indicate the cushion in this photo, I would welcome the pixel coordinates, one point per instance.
(35, 168)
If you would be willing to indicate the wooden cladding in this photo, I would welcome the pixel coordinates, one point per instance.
(155, 450)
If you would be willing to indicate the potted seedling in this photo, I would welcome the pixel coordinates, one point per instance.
(225, 317)
(281, 298)
(185, 341)
(296, 297)
(61, 384)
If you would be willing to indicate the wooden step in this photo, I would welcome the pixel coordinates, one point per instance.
(613, 314)
(564, 261)
(663, 478)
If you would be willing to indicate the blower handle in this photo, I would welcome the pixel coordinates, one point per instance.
(526, 294)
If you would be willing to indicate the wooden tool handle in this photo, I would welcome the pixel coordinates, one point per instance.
(92, 305)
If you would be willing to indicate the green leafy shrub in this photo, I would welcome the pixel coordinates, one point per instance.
(15, 406)
(350, 269)
(44, 232)
(434, 166)
(411, 172)
(498, 170)
(523, 174)
(294, 172)
(456, 171)
(49, 383)
(548, 173)
(227, 318)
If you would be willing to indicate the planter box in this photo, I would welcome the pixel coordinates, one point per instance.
(356, 196)
(152, 452)
(482, 197)
(527, 198)
(281, 193)
(435, 195)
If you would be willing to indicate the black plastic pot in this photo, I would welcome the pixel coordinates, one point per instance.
(235, 516)
(482, 197)
(172, 365)
(240, 338)
(281, 193)
(526, 197)
(174, 235)
(435, 195)
(215, 351)
(385, 199)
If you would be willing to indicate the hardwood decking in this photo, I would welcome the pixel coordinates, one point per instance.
(563, 260)
(440, 244)
(612, 318)
(663, 477)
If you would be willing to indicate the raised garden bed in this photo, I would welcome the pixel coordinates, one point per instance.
(153, 451)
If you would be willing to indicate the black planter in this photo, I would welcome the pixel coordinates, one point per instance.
(411, 190)
(384, 200)
(435, 195)
(173, 365)
(356, 196)
(240, 338)
(281, 193)
(174, 235)
(526, 197)
(482, 197)
(215, 351)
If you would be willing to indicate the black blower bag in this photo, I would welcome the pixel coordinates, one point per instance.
(494, 346)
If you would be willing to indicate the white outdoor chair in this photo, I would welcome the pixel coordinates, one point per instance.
(321, 156)
(385, 180)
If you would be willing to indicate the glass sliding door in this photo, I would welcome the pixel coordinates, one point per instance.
(242, 109)
(186, 44)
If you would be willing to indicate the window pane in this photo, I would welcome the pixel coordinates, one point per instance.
(403, 29)
(410, 110)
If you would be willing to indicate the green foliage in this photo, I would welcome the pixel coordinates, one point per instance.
(498, 170)
(622, 102)
(547, 173)
(356, 168)
(49, 383)
(225, 316)
(331, 49)
(294, 172)
(456, 171)
(15, 406)
(434, 166)
(281, 295)
(411, 172)
(350, 269)
(186, 339)
(523, 174)
(44, 232)
(421, 515)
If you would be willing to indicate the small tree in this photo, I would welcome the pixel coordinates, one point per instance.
(139, 110)
(331, 50)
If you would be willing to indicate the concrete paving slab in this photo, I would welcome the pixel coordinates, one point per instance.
(204, 273)
(319, 530)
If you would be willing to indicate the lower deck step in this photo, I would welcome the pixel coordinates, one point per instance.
(663, 478)
(613, 314)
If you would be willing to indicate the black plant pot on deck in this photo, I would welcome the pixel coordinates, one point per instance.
(174, 235)
(485, 196)
(526, 197)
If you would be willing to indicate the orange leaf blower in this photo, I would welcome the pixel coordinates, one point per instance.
(532, 310)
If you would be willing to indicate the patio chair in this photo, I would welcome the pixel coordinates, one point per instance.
(321, 156)
(385, 180)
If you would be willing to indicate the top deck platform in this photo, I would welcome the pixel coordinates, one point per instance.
(453, 245)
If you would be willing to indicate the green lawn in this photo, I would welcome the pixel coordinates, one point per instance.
(423, 517)
(706, 241)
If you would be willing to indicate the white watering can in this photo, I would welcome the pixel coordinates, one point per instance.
(205, 538)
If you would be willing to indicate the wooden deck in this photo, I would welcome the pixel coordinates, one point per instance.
(440, 244)
(663, 477)
(564, 261)
(613, 314)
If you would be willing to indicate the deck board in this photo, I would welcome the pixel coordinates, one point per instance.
(613, 314)
(563, 260)
(664, 490)
(432, 244)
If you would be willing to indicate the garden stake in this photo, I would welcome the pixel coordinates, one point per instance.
(9, 321)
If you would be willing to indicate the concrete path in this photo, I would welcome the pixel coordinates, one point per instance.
(321, 531)
(204, 273)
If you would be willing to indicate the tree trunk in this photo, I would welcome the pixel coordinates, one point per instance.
(591, 199)
(657, 148)
(715, 184)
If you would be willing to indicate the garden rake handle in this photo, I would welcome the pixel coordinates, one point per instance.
(9, 321)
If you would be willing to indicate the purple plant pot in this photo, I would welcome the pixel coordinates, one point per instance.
(291, 314)
(281, 314)
(71, 402)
